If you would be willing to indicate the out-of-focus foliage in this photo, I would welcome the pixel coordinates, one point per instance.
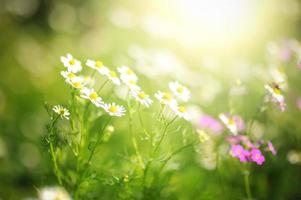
(226, 70)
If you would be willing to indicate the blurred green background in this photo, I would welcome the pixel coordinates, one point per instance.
(208, 45)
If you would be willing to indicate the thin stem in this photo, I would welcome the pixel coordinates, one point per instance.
(164, 134)
(247, 185)
(142, 123)
(102, 85)
(53, 155)
(134, 141)
(177, 152)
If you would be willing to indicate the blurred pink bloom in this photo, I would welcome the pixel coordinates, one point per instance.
(298, 103)
(208, 122)
(271, 148)
(257, 157)
(239, 152)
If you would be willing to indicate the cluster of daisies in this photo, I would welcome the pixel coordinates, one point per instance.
(246, 151)
(126, 77)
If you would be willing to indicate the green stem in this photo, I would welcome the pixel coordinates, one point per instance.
(53, 155)
(247, 185)
(134, 141)
(102, 85)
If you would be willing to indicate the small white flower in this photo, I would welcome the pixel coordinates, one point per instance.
(203, 136)
(165, 98)
(179, 90)
(127, 75)
(113, 77)
(53, 193)
(68, 75)
(60, 110)
(141, 97)
(77, 82)
(114, 110)
(98, 65)
(229, 122)
(71, 63)
(91, 95)
(276, 95)
(180, 111)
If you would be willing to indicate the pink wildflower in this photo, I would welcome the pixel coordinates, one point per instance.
(210, 123)
(239, 152)
(271, 148)
(257, 157)
(298, 102)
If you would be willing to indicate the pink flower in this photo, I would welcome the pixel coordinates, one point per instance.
(298, 102)
(208, 122)
(257, 157)
(271, 148)
(239, 152)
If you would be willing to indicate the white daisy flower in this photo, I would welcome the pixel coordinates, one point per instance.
(91, 95)
(127, 75)
(203, 136)
(53, 193)
(68, 75)
(98, 65)
(180, 111)
(60, 110)
(229, 122)
(276, 94)
(77, 82)
(114, 110)
(165, 98)
(113, 77)
(179, 90)
(141, 97)
(71, 63)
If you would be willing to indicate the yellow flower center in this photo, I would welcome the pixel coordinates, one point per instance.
(277, 90)
(129, 72)
(76, 84)
(71, 75)
(113, 109)
(182, 109)
(231, 121)
(142, 95)
(61, 111)
(113, 74)
(93, 96)
(98, 64)
(72, 62)
(166, 96)
(180, 89)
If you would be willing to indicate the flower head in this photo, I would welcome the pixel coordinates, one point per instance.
(68, 75)
(53, 193)
(165, 98)
(257, 157)
(71, 63)
(76, 82)
(179, 90)
(239, 152)
(141, 97)
(114, 110)
(127, 75)
(98, 66)
(180, 111)
(276, 95)
(234, 123)
(271, 148)
(113, 77)
(209, 123)
(61, 111)
(91, 95)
